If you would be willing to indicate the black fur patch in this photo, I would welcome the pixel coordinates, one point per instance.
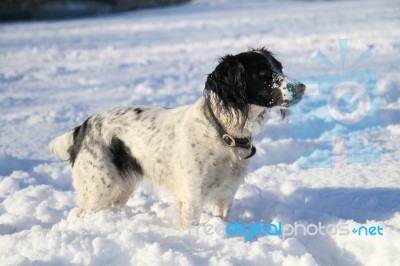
(123, 159)
(138, 111)
(78, 136)
(252, 77)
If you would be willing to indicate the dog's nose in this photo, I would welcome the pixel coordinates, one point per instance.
(300, 89)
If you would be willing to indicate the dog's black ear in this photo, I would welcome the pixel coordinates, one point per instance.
(228, 82)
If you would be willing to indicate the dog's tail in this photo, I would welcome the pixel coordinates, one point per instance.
(60, 145)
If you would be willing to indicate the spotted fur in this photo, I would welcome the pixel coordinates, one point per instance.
(178, 150)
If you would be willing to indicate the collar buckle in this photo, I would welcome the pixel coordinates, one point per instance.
(244, 143)
(229, 140)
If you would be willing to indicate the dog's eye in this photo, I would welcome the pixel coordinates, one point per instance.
(263, 73)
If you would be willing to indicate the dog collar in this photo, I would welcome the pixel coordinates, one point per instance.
(244, 143)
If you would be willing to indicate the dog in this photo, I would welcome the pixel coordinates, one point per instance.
(199, 153)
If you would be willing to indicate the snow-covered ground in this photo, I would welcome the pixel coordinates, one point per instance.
(55, 74)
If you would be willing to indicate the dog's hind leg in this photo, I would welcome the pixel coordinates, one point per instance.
(94, 186)
(121, 198)
(98, 182)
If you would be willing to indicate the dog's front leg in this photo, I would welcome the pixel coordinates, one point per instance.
(224, 198)
(190, 211)
(222, 206)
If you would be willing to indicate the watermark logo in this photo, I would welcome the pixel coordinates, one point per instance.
(343, 104)
(252, 230)
(368, 231)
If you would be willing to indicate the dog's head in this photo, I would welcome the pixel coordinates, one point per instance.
(253, 77)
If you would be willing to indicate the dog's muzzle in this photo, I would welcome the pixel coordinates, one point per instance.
(295, 91)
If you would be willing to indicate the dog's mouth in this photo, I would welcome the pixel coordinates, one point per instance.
(285, 103)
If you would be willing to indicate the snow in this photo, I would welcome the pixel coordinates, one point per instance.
(53, 75)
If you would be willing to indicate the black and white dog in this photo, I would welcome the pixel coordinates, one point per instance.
(196, 152)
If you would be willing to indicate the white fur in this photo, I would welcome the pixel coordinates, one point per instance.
(179, 151)
(59, 146)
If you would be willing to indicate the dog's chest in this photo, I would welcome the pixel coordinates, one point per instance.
(223, 168)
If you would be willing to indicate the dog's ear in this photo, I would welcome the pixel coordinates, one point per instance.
(228, 82)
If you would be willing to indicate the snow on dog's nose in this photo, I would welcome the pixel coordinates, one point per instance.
(294, 91)
(300, 89)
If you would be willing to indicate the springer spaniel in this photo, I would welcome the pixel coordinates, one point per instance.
(198, 152)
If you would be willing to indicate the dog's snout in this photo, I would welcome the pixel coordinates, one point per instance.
(300, 89)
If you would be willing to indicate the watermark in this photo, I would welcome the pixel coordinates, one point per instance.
(368, 231)
(251, 230)
(343, 104)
